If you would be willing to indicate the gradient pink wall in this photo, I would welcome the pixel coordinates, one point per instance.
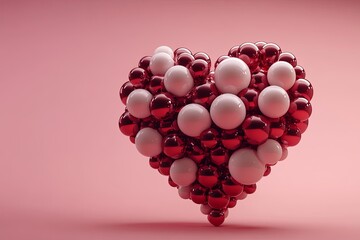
(66, 172)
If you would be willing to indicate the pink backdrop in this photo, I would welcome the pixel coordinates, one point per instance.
(66, 172)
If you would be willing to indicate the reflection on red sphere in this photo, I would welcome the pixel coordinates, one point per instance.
(156, 85)
(208, 176)
(144, 63)
(231, 139)
(220, 59)
(249, 189)
(260, 45)
(249, 53)
(209, 138)
(302, 88)
(125, 90)
(185, 59)
(232, 202)
(288, 57)
(300, 109)
(199, 68)
(267, 171)
(250, 98)
(161, 106)
(300, 72)
(174, 146)
(164, 165)
(194, 151)
(269, 54)
(203, 56)
(231, 187)
(128, 124)
(216, 217)
(217, 199)
(181, 50)
(219, 155)
(205, 94)
(259, 81)
(256, 129)
(154, 162)
(277, 127)
(292, 136)
(234, 51)
(138, 77)
(198, 194)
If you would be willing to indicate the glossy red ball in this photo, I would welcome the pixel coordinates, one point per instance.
(194, 151)
(181, 50)
(138, 77)
(125, 90)
(171, 182)
(220, 59)
(302, 88)
(259, 81)
(249, 53)
(144, 63)
(198, 194)
(256, 129)
(154, 162)
(128, 124)
(161, 105)
(231, 187)
(174, 146)
(300, 72)
(234, 51)
(209, 138)
(219, 155)
(199, 68)
(300, 109)
(269, 54)
(164, 165)
(217, 199)
(203, 56)
(250, 189)
(260, 45)
(249, 97)
(267, 171)
(288, 57)
(208, 176)
(292, 136)
(302, 125)
(205, 94)
(231, 139)
(185, 59)
(216, 217)
(156, 85)
(232, 202)
(277, 127)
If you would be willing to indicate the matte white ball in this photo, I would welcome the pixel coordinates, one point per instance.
(183, 171)
(284, 153)
(281, 74)
(205, 209)
(184, 192)
(148, 142)
(160, 63)
(273, 101)
(193, 119)
(245, 167)
(178, 81)
(232, 75)
(227, 111)
(269, 152)
(138, 102)
(164, 49)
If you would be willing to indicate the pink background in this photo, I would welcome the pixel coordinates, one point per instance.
(66, 172)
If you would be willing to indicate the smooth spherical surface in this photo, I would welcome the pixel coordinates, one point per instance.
(184, 192)
(164, 49)
(161, 106)
(138, 102)
(227, 111)
(193, 119)
(148, 142)
(205, 209)
(232, 75)
(273, 101)
(178, 81)
(281, 74)
(245, 167)
(269, 152)
(160, 63)
(183, 171)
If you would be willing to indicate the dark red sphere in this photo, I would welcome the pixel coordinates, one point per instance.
(249, 97)
(288, 57)
(205, 94)
(128, 124)
(300, 72)
(199, 68)
(171, 182)
(219, 155)
(302, 88)
(198, 194)
(259, 81)
(231, 139)
(208, 176)
(161, 106)
(166, 126)
(269, 54)
(164, 165)
(267, 171)
(156, 85)
(174, 146)
(249, 189)
(125, 90)
(231, 187)
(292, 136)
(277, 127)
(144, 63)
(216, 217)
(300, 109)
(138, 77)
(154, 162)
(203, 56)
(234, 51)
(256, 129)
(220, 59)
(249, 53)
(181, 50)
(217, 199)
(209, 138)
(260, 45)
(232, 202)
(302, 126)
(194, 151)
(185, 59)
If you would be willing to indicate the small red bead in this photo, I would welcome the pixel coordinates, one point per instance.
(249, 189)
(138, 77)
(267, 171)
(250, 98)
(203, 56)
(125, 90)
(288, 57)
(260, 45)
(174, 146)
(181, 50)
(132, 139)
(302, 88)
(185, 59)
(277, 127)
(164, 165)
(249, 53)
(128, 124)
(208, 176)
(292, 136)
(194, 151)
(256, 129)
(232, 202)
(269, 54)
(217, 199)
(199, 68)
(231, 187)
(161, 106)
(231, 139)
(209, 138)
(219, 155)
(154, 162)
(259, 81)
(144, 63)
(205, 94)
(234, 51)
(198, 194)
(300, 72)
(220, 59)
(216, 217)
(302, 126)
(156, 85)
(300, 109)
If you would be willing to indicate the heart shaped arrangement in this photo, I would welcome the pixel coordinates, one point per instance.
(216, 133)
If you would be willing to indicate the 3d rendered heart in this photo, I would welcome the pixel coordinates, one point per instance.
(216, 132)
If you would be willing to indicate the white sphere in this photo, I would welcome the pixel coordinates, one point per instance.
(281, 74)
(148, 142)
(227, 111)
(245, 167)
(273, 101)
(269, 152)
(232, 75)
(184, 192)
(183, 171)
(160, 63)
(164, 49)
(178, 81)
(193, 119)
(205, 209)
(138, 102)
(284, 153)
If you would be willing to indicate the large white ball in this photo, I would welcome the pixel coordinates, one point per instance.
(227, 111)
(178, 81)
(232, 75)
(164, 49)
(160, 63)
(183, 171)
(269, 152)
(138, 102)
(273, 101)
(148, 142)
(193, 119)
(184, 192)
(281, 74)
(245, 167)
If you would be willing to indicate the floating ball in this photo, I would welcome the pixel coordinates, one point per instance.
(281, 74)
(273, 101)
(178, 81)
(193, 119)
(148, 142)
(160, 63)
(138, 103)
(183, 171)
(269, 152)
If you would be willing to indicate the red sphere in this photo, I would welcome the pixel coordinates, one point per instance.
(231, 139)
(166, 126)
(161, 106)
(232, 202)
(194, 151)
(302, 126)
(132, 139)
(144, 63)
(300, 72)
(185, 59)
(209, 138)
(181, 50)
(216, 217)
(154, 162)
(128, 124)
(288, 57)
(300, 109)
(231, 187)
(198, 194)
(199, 68)
(234, 51)
(249, 53)
(219, 155)
(267, 171)
(174, 146)
(164, 165)
(249, 189)
(208, 176)
(256, 129)
(203, 56)
(156, 85)
(220, 59)
(217, 199)
(250, 98)
(292, 136)
(260, 45)
(277, 127)
(205, 94)
(269, 54)
(138, 77)
(259, 81)
(125, 90)
(302, 88)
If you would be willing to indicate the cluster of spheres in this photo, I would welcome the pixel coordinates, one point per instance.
(216, 133)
